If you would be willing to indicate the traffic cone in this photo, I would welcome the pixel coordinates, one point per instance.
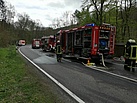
(88, 62)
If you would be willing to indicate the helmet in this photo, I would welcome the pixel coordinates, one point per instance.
(131, 41)
(58, 41)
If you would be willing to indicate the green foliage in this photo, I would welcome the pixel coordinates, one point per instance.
(83, 17)
(122, 14)
(17, 84)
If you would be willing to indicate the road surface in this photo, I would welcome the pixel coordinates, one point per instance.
(87, 85)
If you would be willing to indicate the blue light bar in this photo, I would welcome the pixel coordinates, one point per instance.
(90, 24)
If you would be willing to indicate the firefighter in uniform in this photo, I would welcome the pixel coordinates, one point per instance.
(130, 55)
(58, 51)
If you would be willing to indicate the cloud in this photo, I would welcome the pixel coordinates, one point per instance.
(73, 3)
(56, 5)
(45, 10)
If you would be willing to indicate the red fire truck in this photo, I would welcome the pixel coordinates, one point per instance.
(48, 43)
(36, 43)
(88, 41)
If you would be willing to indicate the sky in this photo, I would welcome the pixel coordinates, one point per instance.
(45, 10)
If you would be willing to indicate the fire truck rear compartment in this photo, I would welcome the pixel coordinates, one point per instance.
(88, 42)
(104, 42)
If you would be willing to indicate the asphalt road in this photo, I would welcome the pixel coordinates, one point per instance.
(90, 85)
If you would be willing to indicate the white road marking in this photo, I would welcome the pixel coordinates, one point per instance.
(95, 68)
(54, 80)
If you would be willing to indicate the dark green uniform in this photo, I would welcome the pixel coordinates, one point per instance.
(130, 55)
(58, 52)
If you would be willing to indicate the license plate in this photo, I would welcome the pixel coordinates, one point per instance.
(37, 45)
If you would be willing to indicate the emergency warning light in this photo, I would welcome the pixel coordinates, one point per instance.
(90, 24)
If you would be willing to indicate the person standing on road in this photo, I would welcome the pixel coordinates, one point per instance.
(58, 51)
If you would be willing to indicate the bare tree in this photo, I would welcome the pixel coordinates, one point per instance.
(98, 6)
(23, 21)
(10, 13)
(2, 10)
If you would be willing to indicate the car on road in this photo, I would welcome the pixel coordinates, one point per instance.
(21, 43)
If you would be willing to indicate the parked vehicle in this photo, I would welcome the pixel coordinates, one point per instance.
(88, 41)
(21, 43)
(48, 43)
(36, 43)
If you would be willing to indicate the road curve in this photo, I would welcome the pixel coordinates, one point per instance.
(86, 84)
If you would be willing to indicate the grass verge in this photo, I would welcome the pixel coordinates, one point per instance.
(17, 85)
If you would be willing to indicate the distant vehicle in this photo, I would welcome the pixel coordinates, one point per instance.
(48, 43)
(36, 43)
(21, 42)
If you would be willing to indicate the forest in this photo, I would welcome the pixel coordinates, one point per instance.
(120, 13)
